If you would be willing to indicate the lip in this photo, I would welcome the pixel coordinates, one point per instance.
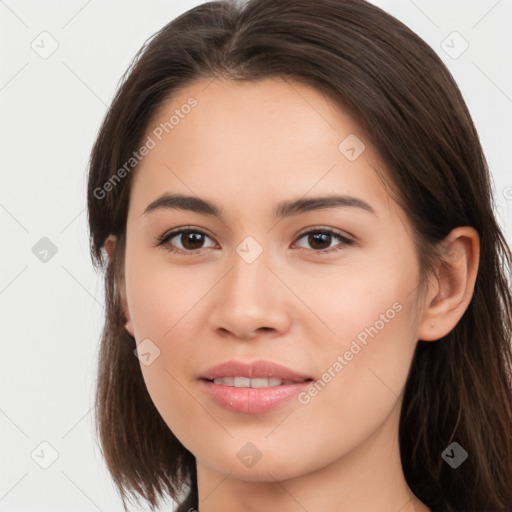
(252, 400)
(254, 370)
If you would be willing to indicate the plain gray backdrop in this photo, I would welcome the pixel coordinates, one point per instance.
(60, 65)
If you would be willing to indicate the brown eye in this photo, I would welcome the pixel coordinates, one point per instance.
(185, 240)
(320, 240)
(191, 240)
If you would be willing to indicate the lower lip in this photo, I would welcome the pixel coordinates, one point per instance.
(252, 400)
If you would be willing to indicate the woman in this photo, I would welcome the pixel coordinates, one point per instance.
(274, 370)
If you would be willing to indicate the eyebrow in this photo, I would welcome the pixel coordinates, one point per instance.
(283, 209)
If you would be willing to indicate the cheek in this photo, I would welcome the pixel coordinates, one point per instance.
(359, 383)
(159, 299)
(361, 300)
(162, 306)
(376, 355)
(363, 364)
(173, 401)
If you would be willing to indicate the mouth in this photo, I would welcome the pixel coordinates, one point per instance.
(257, 399)
(260, 373)
(262, 382)
(252, 388)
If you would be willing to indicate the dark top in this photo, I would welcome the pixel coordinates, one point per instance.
(433, 500)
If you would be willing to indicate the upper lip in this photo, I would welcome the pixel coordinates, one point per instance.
(254, 370)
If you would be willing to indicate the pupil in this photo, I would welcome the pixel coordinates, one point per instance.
(319, 237)
(192, 238)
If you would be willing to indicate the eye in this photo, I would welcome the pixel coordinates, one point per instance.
(319, 238)
(191, 240)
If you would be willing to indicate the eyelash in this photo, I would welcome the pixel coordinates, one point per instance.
(166, 237)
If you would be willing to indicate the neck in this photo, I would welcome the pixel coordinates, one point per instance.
(369, 478)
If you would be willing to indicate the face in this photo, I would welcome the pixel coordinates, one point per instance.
(337, 307)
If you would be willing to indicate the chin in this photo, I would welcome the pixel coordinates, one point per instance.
(270, 467)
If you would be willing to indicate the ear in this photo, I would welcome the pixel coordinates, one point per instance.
(110, 247)
(450, 292)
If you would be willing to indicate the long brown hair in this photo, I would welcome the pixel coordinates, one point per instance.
(459, 388)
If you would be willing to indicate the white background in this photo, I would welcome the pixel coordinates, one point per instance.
(52, 313)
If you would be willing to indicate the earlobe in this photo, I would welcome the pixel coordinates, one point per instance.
(456, 276)
(110, 245)
(126, 311)
(128, 325)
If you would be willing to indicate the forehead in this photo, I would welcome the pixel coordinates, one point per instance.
(254, 141)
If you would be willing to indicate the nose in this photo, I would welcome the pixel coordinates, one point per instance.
(250, 301)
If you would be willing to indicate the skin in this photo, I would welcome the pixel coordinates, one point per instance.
(246, 147)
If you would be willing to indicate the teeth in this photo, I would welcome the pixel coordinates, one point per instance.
(241, 382)
(244, 382)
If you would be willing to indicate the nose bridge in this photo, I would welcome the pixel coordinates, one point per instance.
(249, 297)
(247, 284)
